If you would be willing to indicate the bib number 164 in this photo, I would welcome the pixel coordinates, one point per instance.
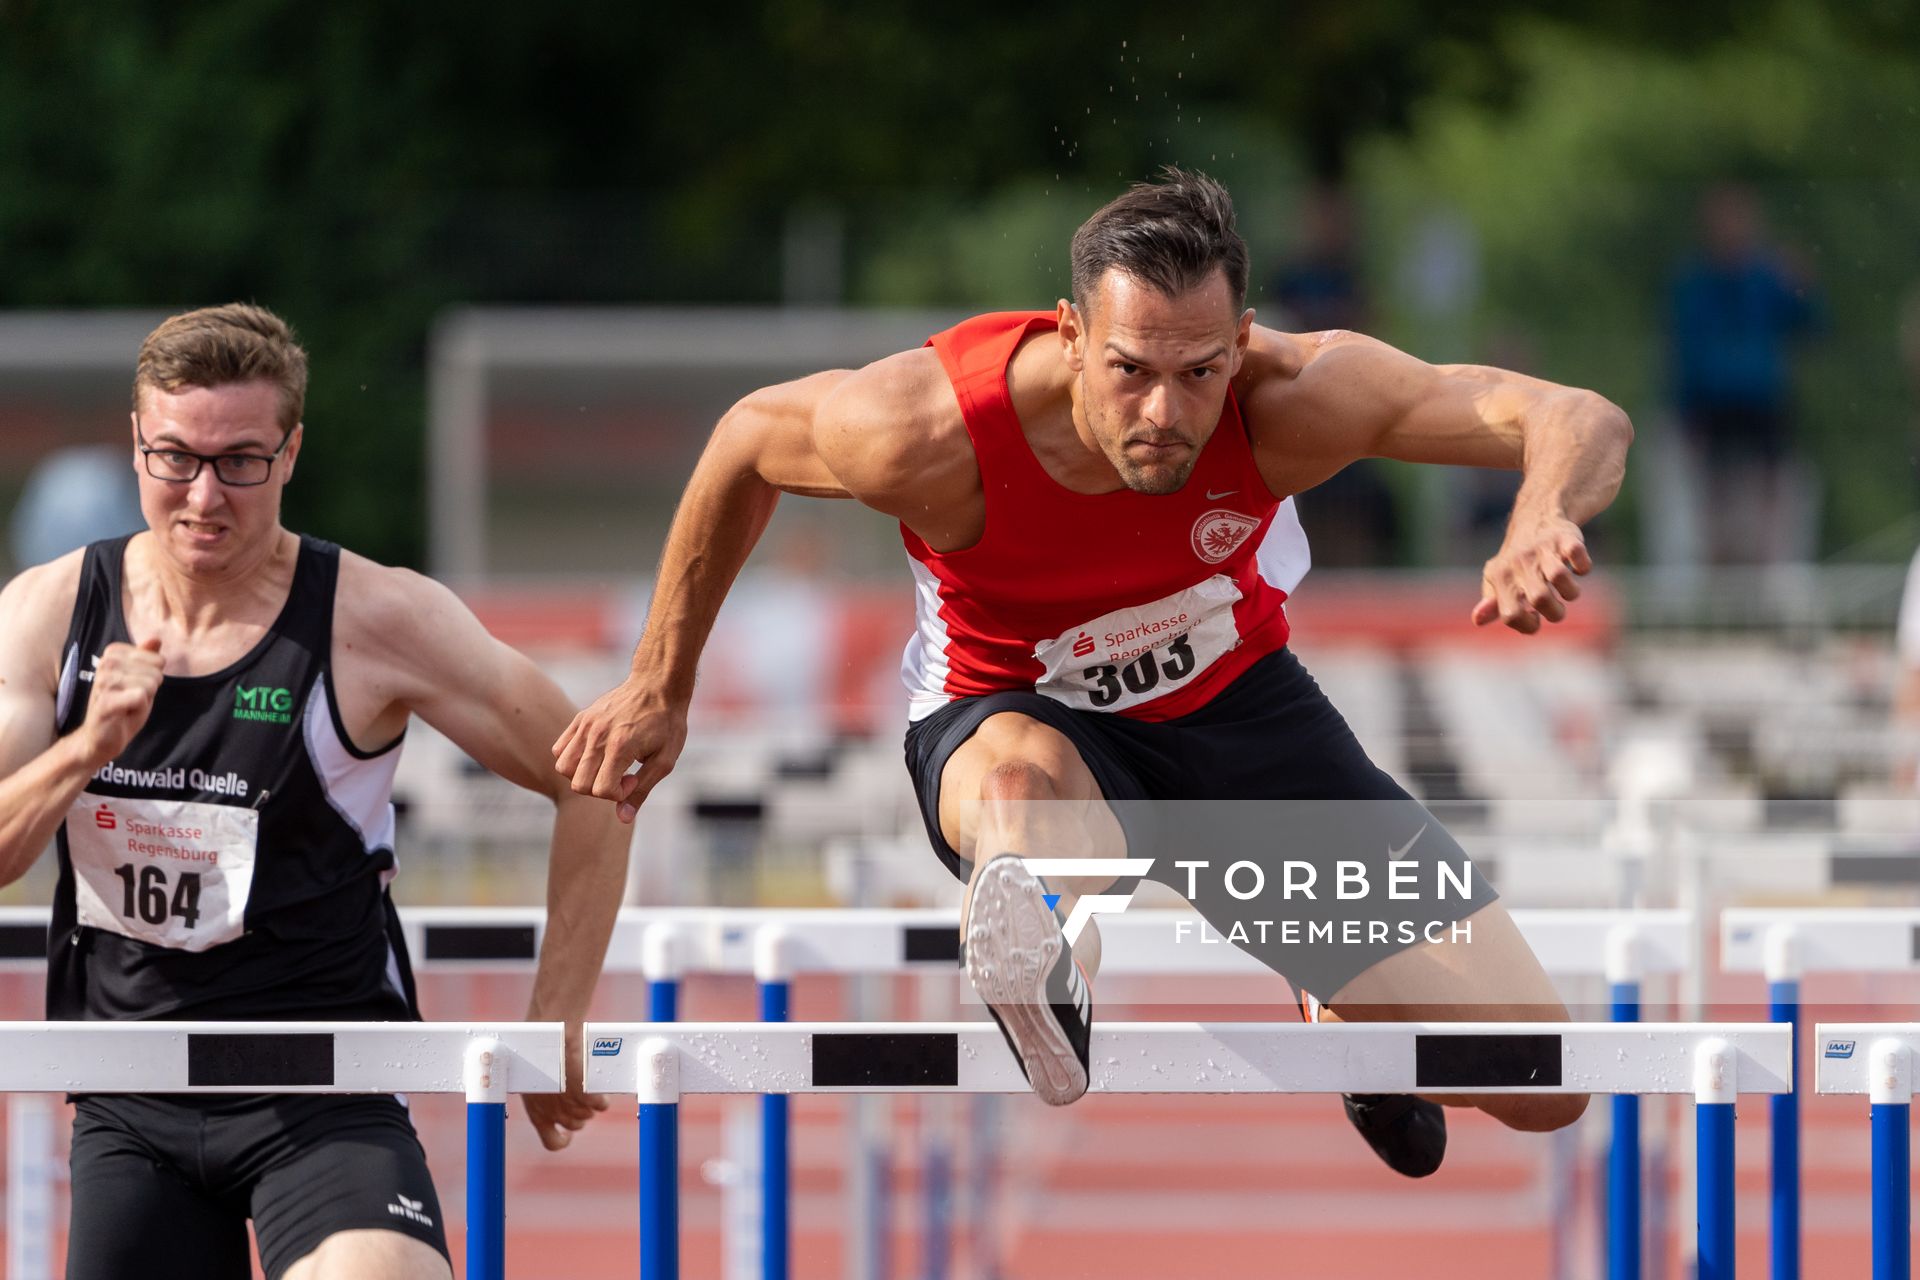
(144, 895)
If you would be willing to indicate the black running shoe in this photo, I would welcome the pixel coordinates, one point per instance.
(1019, 961)
(1408, 1133)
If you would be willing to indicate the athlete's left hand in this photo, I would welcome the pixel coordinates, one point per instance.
(1532, 577)
(557, 1117)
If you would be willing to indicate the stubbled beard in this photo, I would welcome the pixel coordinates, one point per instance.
(1155, 480)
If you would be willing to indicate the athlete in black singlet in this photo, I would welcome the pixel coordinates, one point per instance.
(205, 717)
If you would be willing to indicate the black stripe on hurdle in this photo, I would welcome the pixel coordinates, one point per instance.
(480, 942)
(1486, 1061)
(1914, 945)
(23, 942)
(230, 1061)
(714, 809)
(856, 1060)
(1873, 868)
(931, 944)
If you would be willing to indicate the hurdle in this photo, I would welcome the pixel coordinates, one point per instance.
(1786, 944)
(1877, 1059)
(774, 946)
(664, 1062)
(667, 944)
(486, 1062)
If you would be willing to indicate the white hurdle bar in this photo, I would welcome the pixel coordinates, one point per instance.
(775, 945)
(662, 1062)
(484, 1061)
(1877, 1059)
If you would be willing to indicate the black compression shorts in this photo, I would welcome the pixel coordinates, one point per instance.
(163, 1186)
(1266, 772)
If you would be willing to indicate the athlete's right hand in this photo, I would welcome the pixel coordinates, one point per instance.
(124, 683)
(630, 722)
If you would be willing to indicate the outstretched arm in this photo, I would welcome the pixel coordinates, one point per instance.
(425, 651)
(1353, 397)
(833, 435)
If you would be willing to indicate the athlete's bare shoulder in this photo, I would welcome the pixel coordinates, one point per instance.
(35, 608)
(381, 611)
(1271, 378)
(1309, 401)
(892, 434)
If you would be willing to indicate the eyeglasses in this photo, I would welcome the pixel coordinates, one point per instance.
(177, 466)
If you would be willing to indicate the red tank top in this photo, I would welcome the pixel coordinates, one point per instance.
(1142, 605)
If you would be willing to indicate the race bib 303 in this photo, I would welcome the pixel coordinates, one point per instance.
(1134, 655)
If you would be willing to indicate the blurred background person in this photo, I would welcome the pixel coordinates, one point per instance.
(76, 495)
(1737, 305)
(1352, 520)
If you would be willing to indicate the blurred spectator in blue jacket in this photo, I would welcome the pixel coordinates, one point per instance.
(1737, 306)
(1351, 519)
(76, 495)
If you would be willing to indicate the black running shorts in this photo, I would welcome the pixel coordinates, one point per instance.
(163, 1185)
(1269, 773)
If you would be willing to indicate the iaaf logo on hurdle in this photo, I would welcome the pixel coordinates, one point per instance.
(1088, 905)
(606, 1046)
(1838, 1049)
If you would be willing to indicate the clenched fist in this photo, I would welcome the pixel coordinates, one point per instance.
(124, 683)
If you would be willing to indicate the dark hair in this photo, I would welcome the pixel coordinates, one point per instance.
(215, 346)
(1171, 234)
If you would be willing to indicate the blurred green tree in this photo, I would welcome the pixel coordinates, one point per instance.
(360, 165)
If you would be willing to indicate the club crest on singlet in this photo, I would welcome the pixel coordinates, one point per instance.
(1132, 655)
(1219, 533)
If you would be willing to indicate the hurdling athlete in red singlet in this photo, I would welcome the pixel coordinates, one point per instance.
(1096, 505)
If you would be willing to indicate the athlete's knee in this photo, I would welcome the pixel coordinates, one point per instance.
(1018, 780)
(1542, 1113)
(364, 1254)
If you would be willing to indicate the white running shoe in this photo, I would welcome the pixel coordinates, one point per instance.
(1018, 960)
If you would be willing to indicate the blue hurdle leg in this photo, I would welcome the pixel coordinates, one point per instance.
(1784, 1110)
(775, 1166)
(486, 1081)
(1623, 1161)
(772, 966)
(1891, 1211)
(659, 1163)
(937, 1230)
(1714, 1092)
(1892, 1096)
(663, 1001)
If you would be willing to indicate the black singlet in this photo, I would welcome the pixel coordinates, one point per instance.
(233, 862)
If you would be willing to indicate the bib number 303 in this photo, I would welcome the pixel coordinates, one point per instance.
(1141, 676)
(1136, 654)
(174, 873)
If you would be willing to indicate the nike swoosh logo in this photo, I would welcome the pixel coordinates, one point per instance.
(1224, 493)
(1393, 853)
